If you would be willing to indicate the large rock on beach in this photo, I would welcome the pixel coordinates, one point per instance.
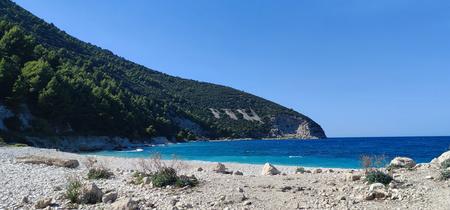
(269, 169)
(220, 168)
(67, 163)
(402, 162)
(43, 203)
(90, 194)
(125, 204)
(109, 197)
(442, 158)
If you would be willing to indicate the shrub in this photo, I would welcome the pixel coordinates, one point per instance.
(370, 162)
(184, 181)
(139, 177)
(445, 164)
(73, 189)
(99, 173)
(300, 170)
(378, 176)
(164, 177)
(445, 174)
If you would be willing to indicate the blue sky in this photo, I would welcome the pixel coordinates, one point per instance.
(358, 68)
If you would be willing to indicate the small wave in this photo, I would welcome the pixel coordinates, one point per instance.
(295, 156)
(135, 150)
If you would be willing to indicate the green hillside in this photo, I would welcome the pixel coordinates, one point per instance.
(75, 88)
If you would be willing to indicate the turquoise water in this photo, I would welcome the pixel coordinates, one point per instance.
(332, 152)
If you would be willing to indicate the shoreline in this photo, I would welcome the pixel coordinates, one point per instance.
(24, 185)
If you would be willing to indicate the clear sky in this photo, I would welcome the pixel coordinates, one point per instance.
(357, 67)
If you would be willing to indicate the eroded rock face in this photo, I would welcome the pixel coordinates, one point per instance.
(295, 126)
(269, 169)
(402, 162)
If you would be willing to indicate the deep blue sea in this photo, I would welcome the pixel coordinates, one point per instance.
(332, 152)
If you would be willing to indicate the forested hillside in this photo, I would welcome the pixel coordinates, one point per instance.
(74, 88)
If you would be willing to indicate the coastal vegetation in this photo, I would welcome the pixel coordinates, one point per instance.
(75, 88)
(158, 173)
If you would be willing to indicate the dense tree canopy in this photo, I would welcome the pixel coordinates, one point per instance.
(75, 87)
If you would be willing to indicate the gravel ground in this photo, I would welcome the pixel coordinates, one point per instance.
(22, 185)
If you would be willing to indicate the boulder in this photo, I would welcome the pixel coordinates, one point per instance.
(402, 162)
(269, 169)
(376, 186)
(90, 194)
(442, 158)
(109, 197)
(376, 194)
(125, 204)
(220, 168)
(146, 180)
(353, 177)
(317, 171)
(43, 203)
(49, 161)
(238, 173)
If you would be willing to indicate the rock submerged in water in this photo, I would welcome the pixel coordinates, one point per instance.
(269, 169)
(402, 162)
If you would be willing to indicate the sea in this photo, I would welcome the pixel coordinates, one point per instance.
(327, 153)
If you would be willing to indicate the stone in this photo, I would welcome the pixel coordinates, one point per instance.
(173, 202)
(443, 157)
(48, 161)
(220, 168)
(246, 203)
(125, 204)
(429, 177)
(402, 162)
(353, 177)
(317, 171)
(199, 169)
(376, 186)
(109, 197)
(146, 180)
(269, 169)
(43, 203)
(238, 173)
(25, 200)
(376, 194)
(90, 194)
(240, 189)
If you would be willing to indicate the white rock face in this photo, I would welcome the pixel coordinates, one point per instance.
(402, 162)
(445, 156)
(269, 169)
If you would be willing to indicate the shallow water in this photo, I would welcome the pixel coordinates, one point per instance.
(332, 152)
